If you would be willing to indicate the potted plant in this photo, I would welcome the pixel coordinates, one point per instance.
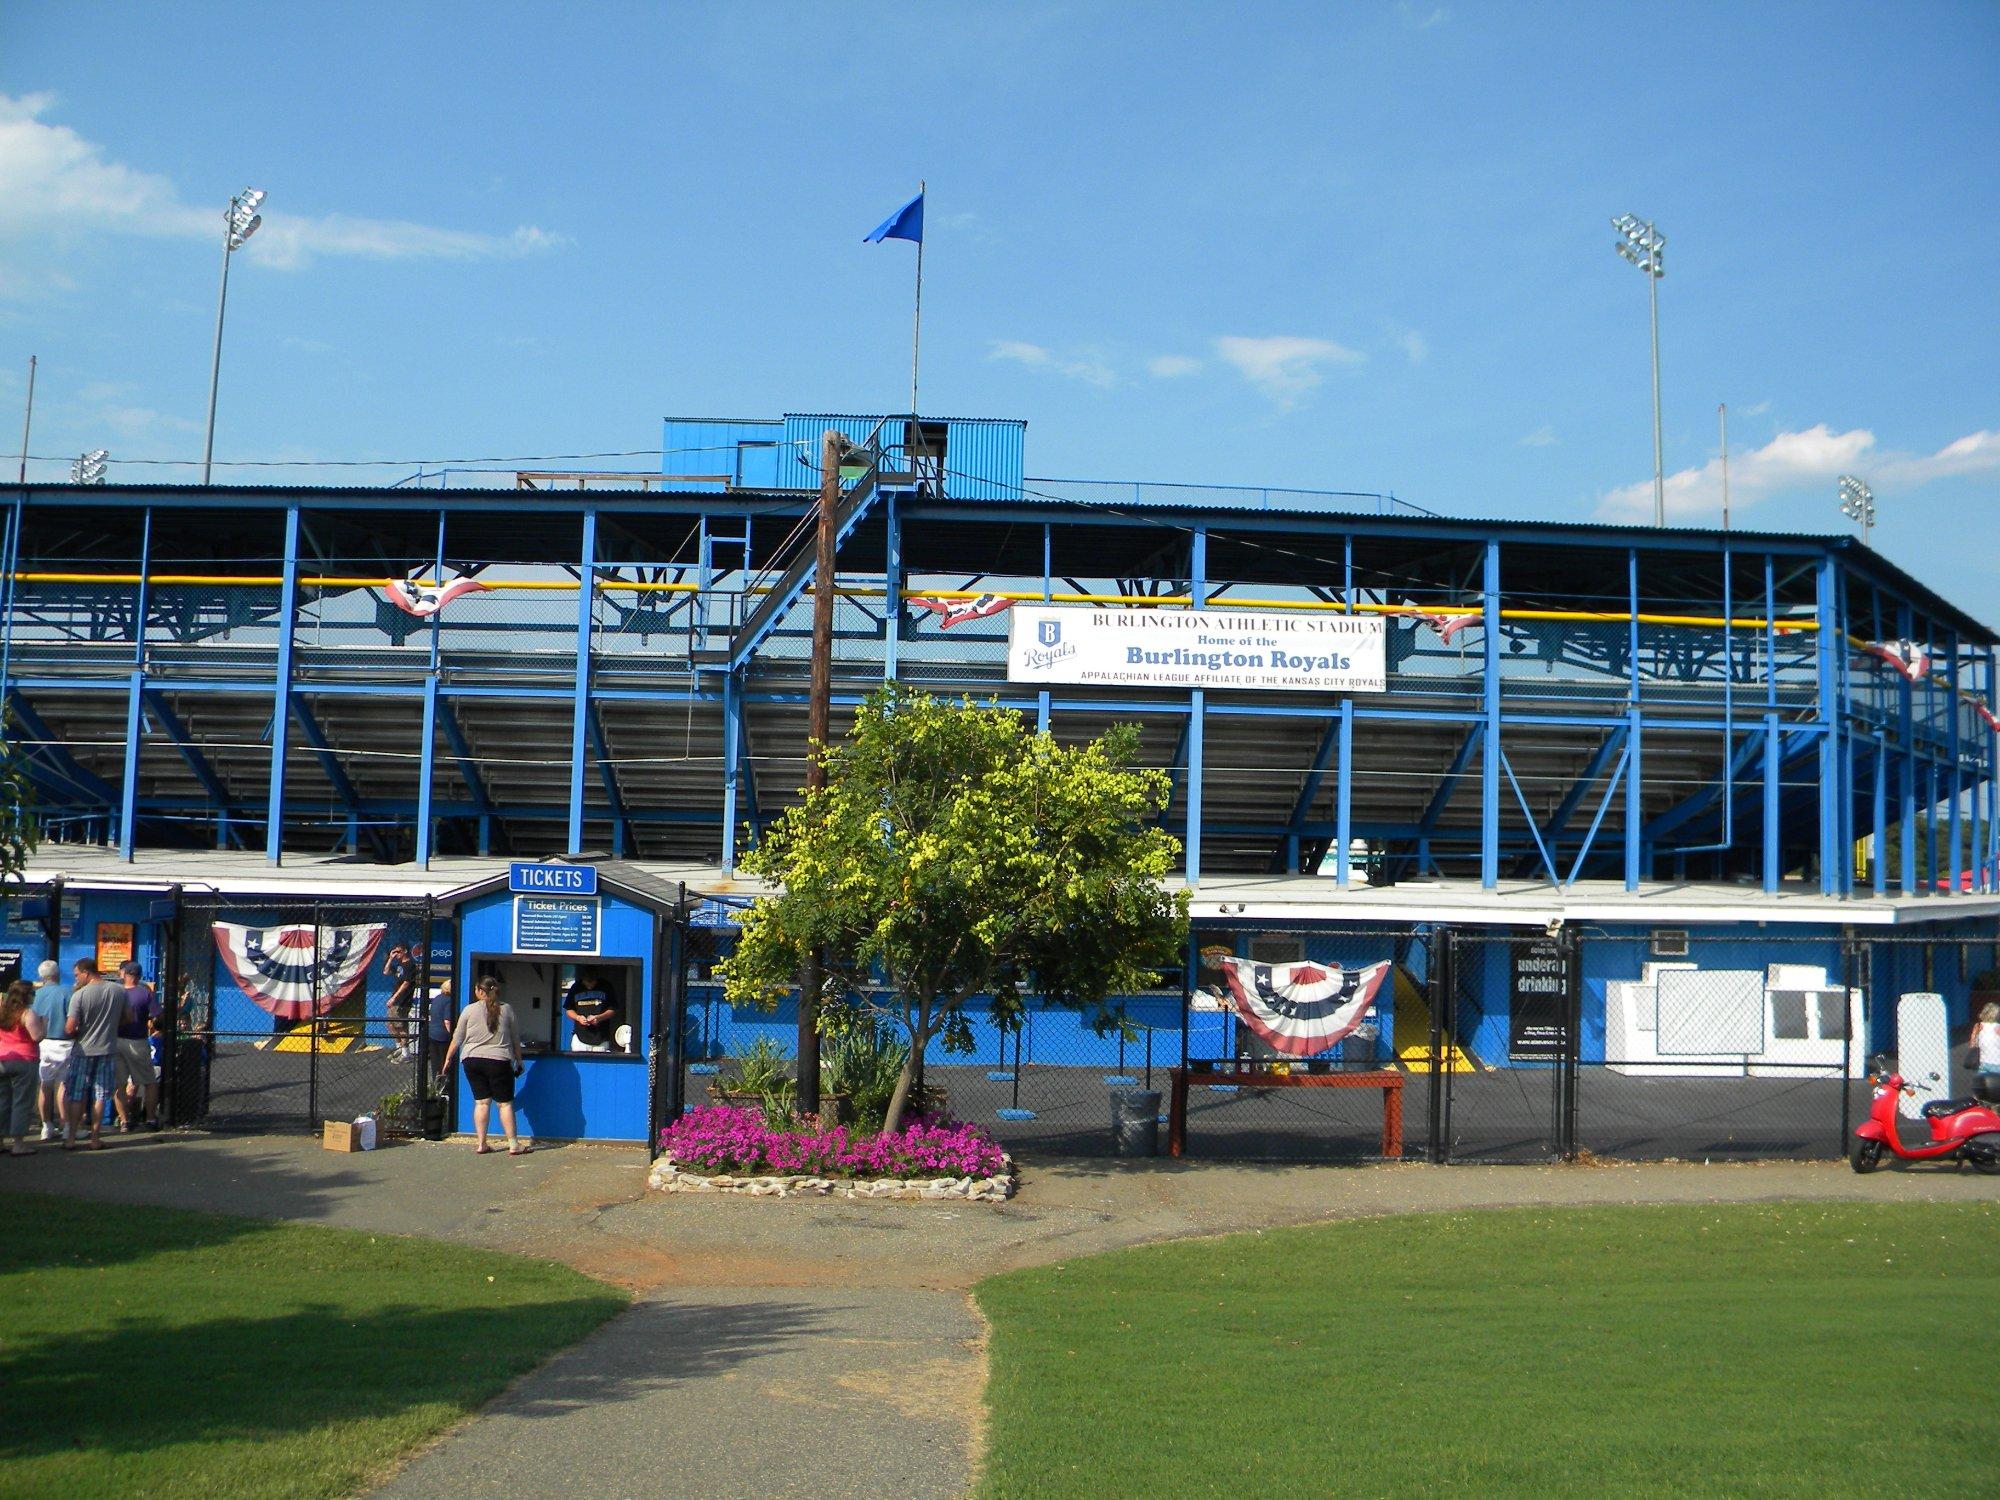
(763, 1082)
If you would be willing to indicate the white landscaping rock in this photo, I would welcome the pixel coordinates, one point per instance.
(669, 1178)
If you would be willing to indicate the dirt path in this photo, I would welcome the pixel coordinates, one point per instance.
(809, 1346)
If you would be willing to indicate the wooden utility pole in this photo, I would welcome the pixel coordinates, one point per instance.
(818, 731)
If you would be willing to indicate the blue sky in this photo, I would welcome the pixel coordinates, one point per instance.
(1356, 247)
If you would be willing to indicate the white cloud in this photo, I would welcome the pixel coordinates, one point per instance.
(1087, 368)
(1799, 460)
(1172, 366)
(1423, 17)
(1284, 366)
(1974, 453)
(52, 179)
(1416, 348)
(1544, 436)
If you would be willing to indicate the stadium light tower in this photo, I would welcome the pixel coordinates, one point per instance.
(1857, 503)
(1644, 246)
(90, 468)
(238, 225)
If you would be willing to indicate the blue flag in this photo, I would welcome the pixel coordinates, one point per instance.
(906, 223)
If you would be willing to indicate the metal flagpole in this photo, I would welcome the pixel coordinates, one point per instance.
(1722, 416)
(28, 418)
(917, 324)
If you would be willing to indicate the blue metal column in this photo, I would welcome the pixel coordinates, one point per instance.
(579, 729)
(1635, 802)
(732, 749)
(281, 699)
(427, 759)
(1773, 847)
(128, 788)
(1907, 715)
(1343, 807)
(1489, 773)
(1197, 702)
(1042, 698)
(892, 585)
(426, 767)
(1832, 859)
(1878, 867)
(1957, 712)
(135, 710)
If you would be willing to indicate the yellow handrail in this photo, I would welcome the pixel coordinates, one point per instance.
(620, 585)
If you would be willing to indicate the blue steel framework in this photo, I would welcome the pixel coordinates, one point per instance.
(1702, 715)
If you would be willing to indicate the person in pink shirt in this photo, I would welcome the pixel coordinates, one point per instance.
(20, 1065)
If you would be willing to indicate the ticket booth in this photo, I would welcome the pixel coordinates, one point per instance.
(552, 933)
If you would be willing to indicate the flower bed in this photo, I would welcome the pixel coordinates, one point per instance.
(721, 1147)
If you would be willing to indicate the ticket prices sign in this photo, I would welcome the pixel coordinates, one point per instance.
(1196, 648)
(556, 924)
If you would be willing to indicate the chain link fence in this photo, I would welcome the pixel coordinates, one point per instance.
(285, 1015)
(1473, 1044)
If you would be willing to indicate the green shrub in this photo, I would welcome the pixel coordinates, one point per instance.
(862, 1061)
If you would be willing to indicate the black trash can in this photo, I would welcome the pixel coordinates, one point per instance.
(1135, 1122)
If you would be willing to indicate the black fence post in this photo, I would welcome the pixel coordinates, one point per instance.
(1445, 1089)
(426, 998)
(1851, 965)
(312, 1031)
(1572, 1052)
(1440, 996)
(169, 1012)
(669, 1094)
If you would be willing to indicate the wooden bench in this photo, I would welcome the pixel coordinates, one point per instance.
(1390, 1083)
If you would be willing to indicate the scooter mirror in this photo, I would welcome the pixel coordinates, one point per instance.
(1934, 1078)
(1880, 1063)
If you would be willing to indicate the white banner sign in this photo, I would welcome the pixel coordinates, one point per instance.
(1201, 648)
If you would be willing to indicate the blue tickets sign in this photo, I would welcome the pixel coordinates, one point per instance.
(552, 880)
(555, 924)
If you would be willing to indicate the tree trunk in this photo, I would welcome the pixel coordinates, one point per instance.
(909, 1082)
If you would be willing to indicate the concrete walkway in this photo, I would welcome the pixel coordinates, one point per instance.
(807, 1346)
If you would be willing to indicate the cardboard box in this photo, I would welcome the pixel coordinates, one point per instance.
(341, 1135)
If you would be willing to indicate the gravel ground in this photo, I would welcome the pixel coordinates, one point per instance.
(809, 1345)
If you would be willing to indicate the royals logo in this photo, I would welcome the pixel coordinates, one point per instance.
(1048, 632)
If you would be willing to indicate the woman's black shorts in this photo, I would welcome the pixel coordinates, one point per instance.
(490, 1078)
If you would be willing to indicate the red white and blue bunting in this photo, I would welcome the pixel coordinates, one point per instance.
(423, 600)
(1301, 1008)
(952, 612)
(296, 973)
(1910, 660)
(1446, 622)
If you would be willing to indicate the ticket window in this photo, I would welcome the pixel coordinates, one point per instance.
(607, 989)
(539, 989)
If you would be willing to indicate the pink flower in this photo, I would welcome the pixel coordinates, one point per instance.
(722, 1138)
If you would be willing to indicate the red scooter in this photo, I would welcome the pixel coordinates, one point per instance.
(1961, 1129)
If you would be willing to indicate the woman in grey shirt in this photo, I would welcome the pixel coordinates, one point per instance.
(488, 1039)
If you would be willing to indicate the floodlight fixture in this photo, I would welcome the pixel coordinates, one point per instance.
(238, 224)
(1641, 243)
(1857, 503)
(90, 468)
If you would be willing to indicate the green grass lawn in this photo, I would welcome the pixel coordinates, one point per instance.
(144, 1351)
(1794, 1348)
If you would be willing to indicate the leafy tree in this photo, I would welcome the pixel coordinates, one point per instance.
(955, 852)
(19, 817)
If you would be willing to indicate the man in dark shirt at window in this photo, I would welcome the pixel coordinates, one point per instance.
(594, 1014)
(400, 969)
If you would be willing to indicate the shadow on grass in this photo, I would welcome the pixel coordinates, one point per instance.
(254, 1380)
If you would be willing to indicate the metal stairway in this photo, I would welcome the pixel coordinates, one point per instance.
(798, 556)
